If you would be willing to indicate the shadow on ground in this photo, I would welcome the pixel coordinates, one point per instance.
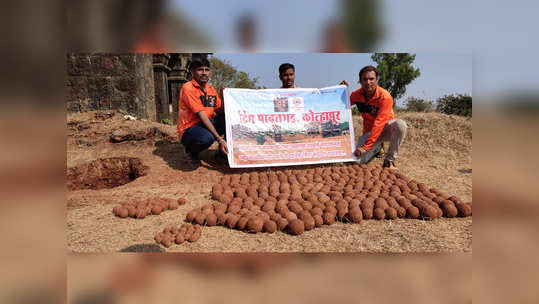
(143, 248)
(174, 154)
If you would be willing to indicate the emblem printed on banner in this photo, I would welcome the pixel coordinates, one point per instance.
(280, 104)
(297, 104)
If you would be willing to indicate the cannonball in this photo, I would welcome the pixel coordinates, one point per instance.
(179, 239)
(318, 220)
(330, 209)
(182, 201)
(194, 237)
(439, 211)
(316, 211)
(211, 219)
(275, 217)
(270, 226)
(233, 208)
(455, 199)
(140, 214)
(308, 222)
(232, 220)
(401, 211)
(122, 212)
(191, 215)
(226, 199)
(290, 216)
(222, 218)
(296, 227)
(464, 209)
(173, 205)
(156, 210)
(167, 242)
(381, 203)
(303, 214)
(428, 212)
(282, 223)
(355, 215)
(200, 218)
(242, 222)
(255, 224)
(248, 204)
(158, 238)
(295, 207)
(116, 208)
(367, 212)
(341, 214)
(268, 206)
(379, 213)
(391, 213)
(412, 212)
(329, 218)
(131, 211)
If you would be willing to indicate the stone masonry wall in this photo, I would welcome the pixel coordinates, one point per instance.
(111, 81)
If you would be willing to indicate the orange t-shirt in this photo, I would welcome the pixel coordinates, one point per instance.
(383, 111)
(193, 100)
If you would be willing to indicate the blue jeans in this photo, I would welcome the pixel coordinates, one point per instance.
(197, 138)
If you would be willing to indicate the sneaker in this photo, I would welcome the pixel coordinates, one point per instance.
(389, 164)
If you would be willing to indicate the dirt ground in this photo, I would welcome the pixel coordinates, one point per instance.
(436, 151)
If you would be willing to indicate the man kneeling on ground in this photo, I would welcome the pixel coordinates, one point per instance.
(379, 123)
(201, 120)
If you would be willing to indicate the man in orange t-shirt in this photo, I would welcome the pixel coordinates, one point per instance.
(201, 119)
(287, 75)
(379, 123)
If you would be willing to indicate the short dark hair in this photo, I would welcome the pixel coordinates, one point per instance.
(285, 66)
(366, 69)
(199, 62)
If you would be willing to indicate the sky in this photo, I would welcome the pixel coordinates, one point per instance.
(432, 28)
(441, 73)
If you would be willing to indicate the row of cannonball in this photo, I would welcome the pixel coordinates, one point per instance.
(139, 209)
(296, 200)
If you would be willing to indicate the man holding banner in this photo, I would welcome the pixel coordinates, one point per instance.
(287, 75)
(379, 123)
(199, 126)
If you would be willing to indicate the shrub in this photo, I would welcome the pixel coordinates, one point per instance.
(457, 104)
(419, 105)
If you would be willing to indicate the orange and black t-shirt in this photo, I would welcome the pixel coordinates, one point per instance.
(193, 99)
(381, 110)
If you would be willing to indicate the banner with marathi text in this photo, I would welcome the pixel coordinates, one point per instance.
(281, 127)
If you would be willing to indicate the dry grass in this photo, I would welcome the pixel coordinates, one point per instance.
(437, 151)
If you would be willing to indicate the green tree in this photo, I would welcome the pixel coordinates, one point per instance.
(362, 23)
(223, 74)
(396, 72)
(419, 105)
(457, 104)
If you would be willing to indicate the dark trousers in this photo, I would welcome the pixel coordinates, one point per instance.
(197, 138)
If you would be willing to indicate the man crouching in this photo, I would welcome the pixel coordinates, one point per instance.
(379, 123)
(201, 119)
